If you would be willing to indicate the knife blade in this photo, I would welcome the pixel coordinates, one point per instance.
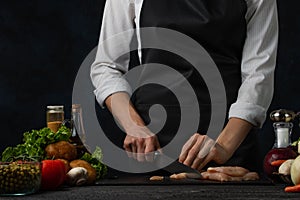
(175, 167)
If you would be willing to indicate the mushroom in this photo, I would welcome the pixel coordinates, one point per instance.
(90, 170)
(77, 176)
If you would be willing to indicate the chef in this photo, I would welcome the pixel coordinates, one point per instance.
(240, 36)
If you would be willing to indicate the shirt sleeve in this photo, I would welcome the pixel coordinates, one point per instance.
(112, 58)
(258, 63)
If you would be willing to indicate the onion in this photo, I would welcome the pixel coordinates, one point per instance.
(277, 154)
(295, 171)
(285, 168)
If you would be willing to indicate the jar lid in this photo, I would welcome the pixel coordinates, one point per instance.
(56, 107)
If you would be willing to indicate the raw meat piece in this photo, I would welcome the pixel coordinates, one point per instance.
(231, 171)
(218, 176)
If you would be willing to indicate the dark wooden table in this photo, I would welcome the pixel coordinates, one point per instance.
(139, 189)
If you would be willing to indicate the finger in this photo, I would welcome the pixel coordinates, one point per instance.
(206, 160)
(134, 151)
(149, 152)
(196, 163)
(186, 148)
(128, 150)
(127, 147)
(152, 146)
(140, 152)
(206, 147)
(140, 157)
(193, 152)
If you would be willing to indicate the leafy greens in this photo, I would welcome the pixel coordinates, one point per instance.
(34, 143)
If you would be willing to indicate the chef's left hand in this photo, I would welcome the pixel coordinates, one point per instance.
(200, 150)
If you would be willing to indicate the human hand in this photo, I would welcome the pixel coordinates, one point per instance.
(200, 150)
(140, 143)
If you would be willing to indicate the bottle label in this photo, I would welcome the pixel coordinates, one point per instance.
(282, 137)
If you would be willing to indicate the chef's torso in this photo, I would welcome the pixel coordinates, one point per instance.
(219, 26)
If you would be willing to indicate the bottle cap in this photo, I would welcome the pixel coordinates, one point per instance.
(55, 108)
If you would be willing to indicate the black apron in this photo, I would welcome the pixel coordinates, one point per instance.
(220, 27)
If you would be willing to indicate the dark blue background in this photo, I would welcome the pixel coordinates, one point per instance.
(43, 43)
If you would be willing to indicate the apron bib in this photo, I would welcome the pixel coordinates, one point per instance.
(219, 26)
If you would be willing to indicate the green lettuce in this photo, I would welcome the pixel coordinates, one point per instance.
(34, 144)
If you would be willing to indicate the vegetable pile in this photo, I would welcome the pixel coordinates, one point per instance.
(57, 154)
(289, 170)
(34, 144)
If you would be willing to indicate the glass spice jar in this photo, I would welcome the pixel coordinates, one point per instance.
(55, 117)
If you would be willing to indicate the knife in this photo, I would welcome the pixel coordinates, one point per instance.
(162, 160)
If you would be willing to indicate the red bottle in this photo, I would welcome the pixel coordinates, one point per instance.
(281, 149)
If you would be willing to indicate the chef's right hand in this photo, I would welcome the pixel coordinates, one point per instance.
(140, 143)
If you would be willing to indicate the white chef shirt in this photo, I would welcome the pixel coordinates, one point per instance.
(257, 67)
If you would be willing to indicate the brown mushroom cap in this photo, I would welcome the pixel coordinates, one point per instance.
(61, 149)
